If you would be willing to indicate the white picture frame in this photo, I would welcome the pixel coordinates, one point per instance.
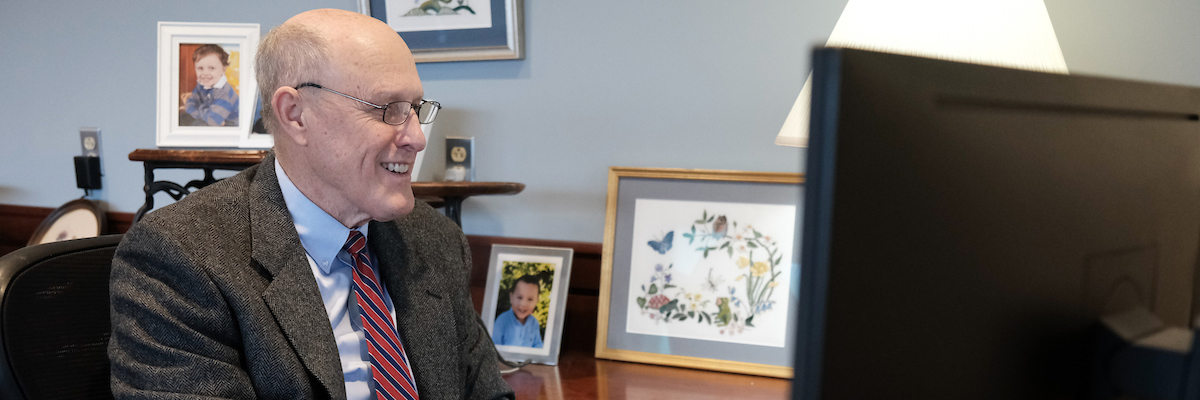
(260, 139)
(427, 130)
(256, 141)
(505, 264)
(241, 39)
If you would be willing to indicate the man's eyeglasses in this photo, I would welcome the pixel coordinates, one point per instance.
(396, 112)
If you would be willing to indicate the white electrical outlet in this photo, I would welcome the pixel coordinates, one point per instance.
(89, 141)
(460, 155)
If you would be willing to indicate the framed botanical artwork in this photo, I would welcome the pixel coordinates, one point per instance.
(454, 30)
(79, 218)
(206, 84)
(701, 269)
(525, 300)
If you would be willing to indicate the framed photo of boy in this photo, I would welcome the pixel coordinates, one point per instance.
(454, 30)
(525, 300)
(206, 83)
(700, 269)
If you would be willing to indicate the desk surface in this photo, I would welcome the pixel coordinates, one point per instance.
(579, 375)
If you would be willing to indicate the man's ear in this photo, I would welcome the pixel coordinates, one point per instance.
(289, 112)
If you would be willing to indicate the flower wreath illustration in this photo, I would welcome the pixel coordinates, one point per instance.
(756, 258)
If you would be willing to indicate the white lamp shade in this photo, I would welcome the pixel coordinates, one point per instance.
(1005, 33)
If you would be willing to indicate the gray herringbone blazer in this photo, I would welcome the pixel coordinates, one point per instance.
(213, 296)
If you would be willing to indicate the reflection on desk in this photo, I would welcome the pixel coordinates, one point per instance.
(579, 375)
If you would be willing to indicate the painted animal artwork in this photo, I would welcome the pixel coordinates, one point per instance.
(441, 7)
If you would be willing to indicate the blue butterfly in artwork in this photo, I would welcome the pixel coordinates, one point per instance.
(664, 245)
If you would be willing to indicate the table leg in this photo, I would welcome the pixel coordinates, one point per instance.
(196, 184)
(146, 206)
(454, 208)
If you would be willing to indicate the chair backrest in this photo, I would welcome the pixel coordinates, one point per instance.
(54, 322)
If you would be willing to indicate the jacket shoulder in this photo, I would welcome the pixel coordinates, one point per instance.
(220, 210)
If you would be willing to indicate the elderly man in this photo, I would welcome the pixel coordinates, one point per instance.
(314, 274)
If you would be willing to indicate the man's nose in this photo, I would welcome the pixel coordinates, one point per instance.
(410, 133)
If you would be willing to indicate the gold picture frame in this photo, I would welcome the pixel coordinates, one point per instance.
(704, 188)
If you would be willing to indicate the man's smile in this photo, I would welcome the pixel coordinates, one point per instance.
(398, 168)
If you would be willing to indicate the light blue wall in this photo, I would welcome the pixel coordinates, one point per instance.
(698, 84)
(1142, 40)
(93, 63)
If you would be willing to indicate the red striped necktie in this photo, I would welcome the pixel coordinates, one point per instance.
(389, 365)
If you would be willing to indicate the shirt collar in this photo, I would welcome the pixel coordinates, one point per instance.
(220, 84)
(321, 235)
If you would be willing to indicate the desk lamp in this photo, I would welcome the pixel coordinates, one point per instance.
(1005, 33)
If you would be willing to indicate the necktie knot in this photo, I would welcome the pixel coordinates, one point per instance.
(356, 244)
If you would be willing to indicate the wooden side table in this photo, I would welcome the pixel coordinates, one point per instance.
(207, 160)
(451, 194)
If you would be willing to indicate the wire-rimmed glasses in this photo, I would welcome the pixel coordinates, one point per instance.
(394, 113)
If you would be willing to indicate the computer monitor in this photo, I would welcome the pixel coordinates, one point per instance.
(966, 226)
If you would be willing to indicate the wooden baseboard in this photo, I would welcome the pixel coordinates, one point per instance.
(119, 222)
(585, 265)
(17, 224)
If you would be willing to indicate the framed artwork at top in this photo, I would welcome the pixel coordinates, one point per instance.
(206, 84)
(454, 30)
(701, 269)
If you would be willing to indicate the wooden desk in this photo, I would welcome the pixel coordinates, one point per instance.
(580, 376)
(449, 194)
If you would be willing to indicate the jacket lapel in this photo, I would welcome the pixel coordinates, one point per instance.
(424, 316)
(292, 295)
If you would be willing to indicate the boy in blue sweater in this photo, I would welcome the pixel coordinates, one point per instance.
(515, 327)
(214, 102)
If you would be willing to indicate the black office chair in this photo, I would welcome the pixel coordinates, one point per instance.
(54, 324)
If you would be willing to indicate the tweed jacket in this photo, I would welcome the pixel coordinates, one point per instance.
(213, 297)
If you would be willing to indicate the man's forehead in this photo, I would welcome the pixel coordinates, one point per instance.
(371, 72)
(361, 45)
(381, 87)
(330, 20)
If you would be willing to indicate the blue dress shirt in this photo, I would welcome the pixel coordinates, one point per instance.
(508, 331)
(323, 238)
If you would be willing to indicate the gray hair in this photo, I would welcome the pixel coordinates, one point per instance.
(288, 55)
